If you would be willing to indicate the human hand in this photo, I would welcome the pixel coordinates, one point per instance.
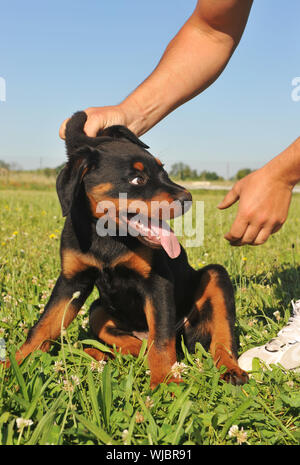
(100, 118)
(264, 201)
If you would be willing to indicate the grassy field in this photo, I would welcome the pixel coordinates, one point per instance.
(63, 397)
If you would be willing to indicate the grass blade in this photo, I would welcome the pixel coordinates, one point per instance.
(106, 393)
(34, 401)
(19, 376)
(262, 403)
(142, 351)
(153, 429)
(244, 406)
(46, 419)
(129, 384)
(97, 345)
(183, 414)
(98, 432)
(93, 395)
(177, 405)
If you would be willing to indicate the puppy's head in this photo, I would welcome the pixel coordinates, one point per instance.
(121, 179)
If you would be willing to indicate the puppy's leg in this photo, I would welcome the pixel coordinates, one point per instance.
(161, 340)
(59, 312)
(212, 321)
(107, 329)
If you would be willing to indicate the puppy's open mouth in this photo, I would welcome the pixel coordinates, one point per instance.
(154, 232)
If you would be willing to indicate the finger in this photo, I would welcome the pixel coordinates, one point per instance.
(248, 237)
(237, 230)
(276, 228)
(262, 236)
(92, 126)
(230, 198)
(62, 129)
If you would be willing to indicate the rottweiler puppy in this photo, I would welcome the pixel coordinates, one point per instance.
(147, 289)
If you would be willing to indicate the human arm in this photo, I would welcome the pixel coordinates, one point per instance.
(192, 61)
(264, 198)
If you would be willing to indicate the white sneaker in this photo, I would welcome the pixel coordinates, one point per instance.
(283, 349)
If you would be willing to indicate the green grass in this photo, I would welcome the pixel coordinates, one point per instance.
(67, 398)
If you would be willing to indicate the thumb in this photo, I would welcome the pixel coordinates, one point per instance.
(62, 129)
(230, 198)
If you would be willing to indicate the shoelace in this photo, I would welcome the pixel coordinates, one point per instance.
(290, 333)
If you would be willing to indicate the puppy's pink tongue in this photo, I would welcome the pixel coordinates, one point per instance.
(168, 240)
(171, 245)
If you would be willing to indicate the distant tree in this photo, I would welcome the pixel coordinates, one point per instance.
(15, 166)
(4, 165)
(242, 173)
(182, 171)
(48, 172)
(210, 176)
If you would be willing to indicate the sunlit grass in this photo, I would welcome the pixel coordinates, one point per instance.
(66, 398)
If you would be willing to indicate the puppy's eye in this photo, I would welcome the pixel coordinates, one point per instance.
(138, 181)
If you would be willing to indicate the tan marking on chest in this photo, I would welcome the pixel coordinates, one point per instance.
(139, 261)
(74, 262)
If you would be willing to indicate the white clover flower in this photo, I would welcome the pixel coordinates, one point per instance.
(239, 434)
(149, 402)
(199, 364)
(139, 417)
(98, 365)
(67, 385)
(75, 379)
(22, 422)
(178, 369)
(85, 322)
(277, 315)
(58, 366)
(242, 436)
(233, 431)
(125, 435)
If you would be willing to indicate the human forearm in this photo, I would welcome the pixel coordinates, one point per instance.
(286, 165)
(193, 60)
(201, 59)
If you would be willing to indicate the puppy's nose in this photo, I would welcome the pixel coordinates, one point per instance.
(185, 198)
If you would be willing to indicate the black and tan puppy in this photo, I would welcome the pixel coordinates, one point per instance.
(145, 283)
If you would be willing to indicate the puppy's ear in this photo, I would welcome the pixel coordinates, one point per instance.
(121, 132)
(76, 137)
(69, 180)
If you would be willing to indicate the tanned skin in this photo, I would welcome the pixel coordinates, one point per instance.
(192, 61)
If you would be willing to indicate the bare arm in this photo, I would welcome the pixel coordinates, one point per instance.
(192, 61)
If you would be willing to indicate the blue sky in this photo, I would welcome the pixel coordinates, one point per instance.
(58, 57)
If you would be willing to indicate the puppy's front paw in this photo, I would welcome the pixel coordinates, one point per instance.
(156, 380)
(235, 376)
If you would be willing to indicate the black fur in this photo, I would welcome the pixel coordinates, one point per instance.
(171, 285)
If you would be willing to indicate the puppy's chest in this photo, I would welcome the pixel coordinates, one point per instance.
(119, 291)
